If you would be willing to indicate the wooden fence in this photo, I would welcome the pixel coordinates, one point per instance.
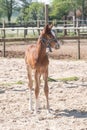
(81, 33)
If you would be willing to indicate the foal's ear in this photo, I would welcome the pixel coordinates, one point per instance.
(50, 26)
(47, 29)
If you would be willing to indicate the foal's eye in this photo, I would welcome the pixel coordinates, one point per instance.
(53, 33)
(49, 33)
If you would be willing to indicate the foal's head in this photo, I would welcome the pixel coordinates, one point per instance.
(49, 38)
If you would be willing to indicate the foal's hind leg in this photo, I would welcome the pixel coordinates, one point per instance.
(30, 84)
(46, 89)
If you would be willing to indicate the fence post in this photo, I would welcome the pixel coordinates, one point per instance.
(38, 25)
(25, 32)
(3, 39)
(46, 14)
(78, 31)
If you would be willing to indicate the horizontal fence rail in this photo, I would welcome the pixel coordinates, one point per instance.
(34, 39)
(11, 31)
(40, 28)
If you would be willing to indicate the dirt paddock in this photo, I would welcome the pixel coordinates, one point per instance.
(68, 99)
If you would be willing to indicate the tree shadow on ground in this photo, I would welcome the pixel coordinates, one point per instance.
(69, 113)
(20, 90)
(2, 91)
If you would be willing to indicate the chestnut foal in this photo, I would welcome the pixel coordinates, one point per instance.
(36, 59)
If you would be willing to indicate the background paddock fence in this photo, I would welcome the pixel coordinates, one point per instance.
(31, 34)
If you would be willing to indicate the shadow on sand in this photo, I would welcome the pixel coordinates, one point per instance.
(2, 91)
(69, 113)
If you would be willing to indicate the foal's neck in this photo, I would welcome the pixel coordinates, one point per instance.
(41, 48)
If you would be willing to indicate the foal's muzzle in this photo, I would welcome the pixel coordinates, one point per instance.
(57, 45)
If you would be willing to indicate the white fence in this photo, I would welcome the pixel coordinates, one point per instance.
(34, 31)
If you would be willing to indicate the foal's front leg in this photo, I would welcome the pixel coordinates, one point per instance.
(37, 86)
(46, 89)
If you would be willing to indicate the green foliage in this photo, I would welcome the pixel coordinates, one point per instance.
(1, 13)
(63, 7)
(36, 11)
(19, 82)
(74, 78)
(7, 7)
(60, 8)
(29, 10)
(33, 11)
(51, 79)
(25, 3)
(12, 83)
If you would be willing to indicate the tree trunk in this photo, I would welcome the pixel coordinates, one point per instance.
(75, 21)
(9, 18)
(83, 6)
(65, 25)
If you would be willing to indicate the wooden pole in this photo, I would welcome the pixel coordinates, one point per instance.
(4, 46)
(46, 14)
(74, 21)
(38, 25)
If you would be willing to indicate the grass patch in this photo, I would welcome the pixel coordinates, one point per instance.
(51, 79)
(6, 84)
(74, 78)
(10, 84)
(19, 82)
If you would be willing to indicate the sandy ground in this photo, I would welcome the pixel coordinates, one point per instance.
(68, 100)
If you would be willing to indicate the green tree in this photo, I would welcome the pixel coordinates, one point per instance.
(63, 7)
(34, 11)
(84, 8)
(7, 7)
(59, 8)
(25, 3)
(1, 12)
(23, 8)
